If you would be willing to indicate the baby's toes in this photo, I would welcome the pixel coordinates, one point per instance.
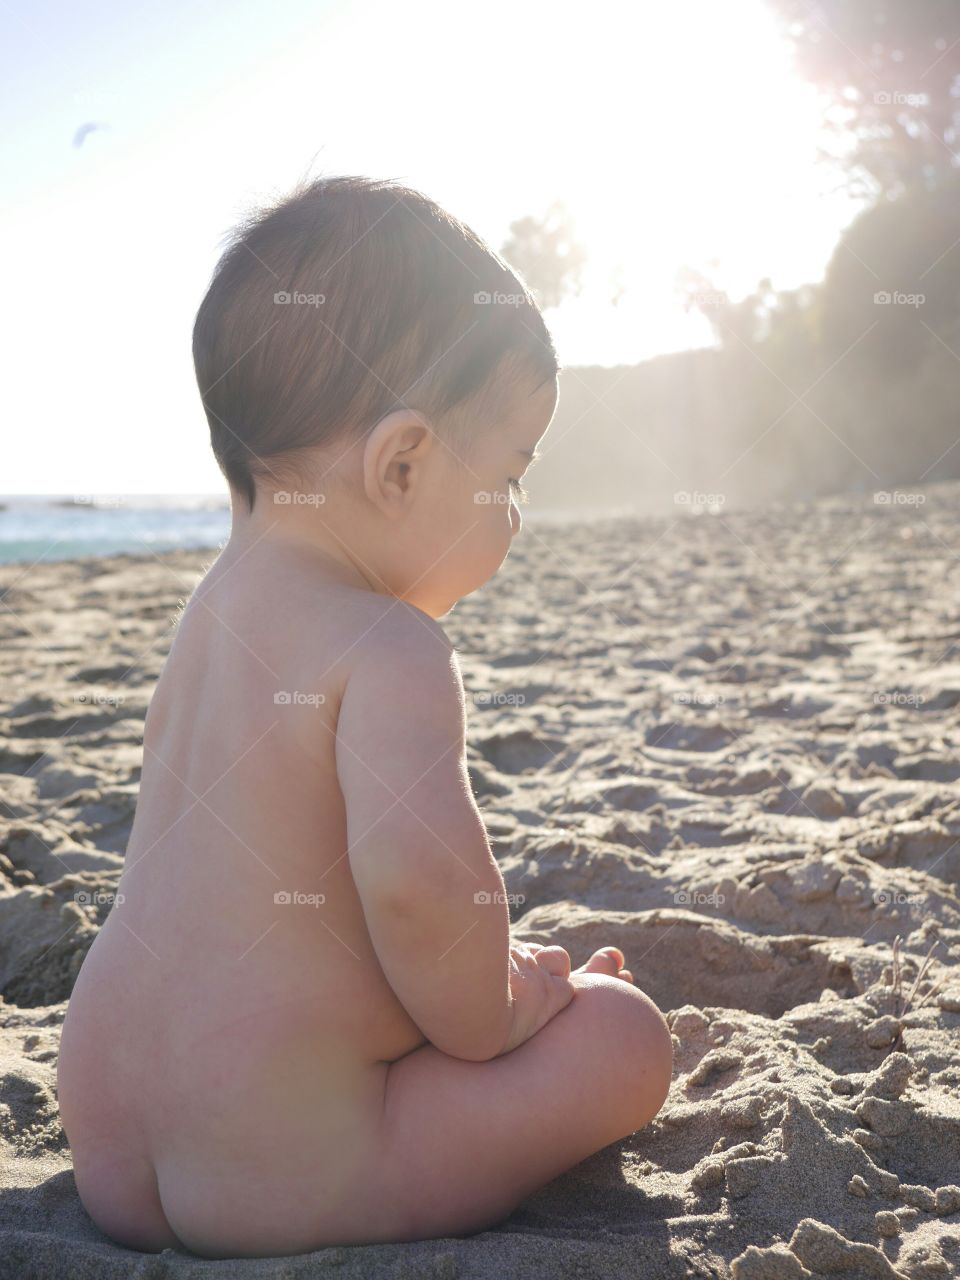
(607, 960)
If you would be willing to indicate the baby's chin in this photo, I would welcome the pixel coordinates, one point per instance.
(440, 598)
(468, 591)
(437, 608)
(433, 605)
(441, 606)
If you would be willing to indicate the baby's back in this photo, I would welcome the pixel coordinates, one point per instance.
(233, 999)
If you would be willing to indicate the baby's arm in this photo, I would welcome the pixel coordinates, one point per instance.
(432, 893)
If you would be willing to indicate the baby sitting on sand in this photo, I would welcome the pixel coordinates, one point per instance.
(304, 1022)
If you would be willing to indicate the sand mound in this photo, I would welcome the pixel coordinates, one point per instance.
(727, 745)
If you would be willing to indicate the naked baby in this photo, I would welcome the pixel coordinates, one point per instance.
(304, 1022)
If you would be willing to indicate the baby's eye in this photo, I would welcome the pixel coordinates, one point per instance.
(517, 491)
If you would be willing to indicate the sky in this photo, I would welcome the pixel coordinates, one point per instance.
(675, 134)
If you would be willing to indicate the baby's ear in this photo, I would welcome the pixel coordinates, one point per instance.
(393, 457)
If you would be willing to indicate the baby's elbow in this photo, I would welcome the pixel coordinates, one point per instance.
(473, 1046)
(413, 910)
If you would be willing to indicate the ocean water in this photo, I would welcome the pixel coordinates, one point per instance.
(57, 527)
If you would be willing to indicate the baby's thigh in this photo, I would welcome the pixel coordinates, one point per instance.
(464, 1142)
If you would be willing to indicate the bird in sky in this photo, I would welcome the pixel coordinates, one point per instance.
(85, 130)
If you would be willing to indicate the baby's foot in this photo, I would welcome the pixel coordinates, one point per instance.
(608, 960)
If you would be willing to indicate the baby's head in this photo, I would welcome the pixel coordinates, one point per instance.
(375, 378)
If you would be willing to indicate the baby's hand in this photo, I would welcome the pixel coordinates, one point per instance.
(540, 984)
(540, 987)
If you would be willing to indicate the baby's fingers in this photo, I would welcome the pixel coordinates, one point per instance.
(562, 992)
(556, 960)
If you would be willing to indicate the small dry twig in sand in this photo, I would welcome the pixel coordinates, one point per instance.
(904, 1005)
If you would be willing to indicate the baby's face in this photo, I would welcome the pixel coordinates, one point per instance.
(470, 515)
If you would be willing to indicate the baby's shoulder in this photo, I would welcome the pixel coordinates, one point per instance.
(405, 679)
(400, 637)
(401, 654)
(363, 636)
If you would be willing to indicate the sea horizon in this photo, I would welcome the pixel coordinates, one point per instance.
(60, 526)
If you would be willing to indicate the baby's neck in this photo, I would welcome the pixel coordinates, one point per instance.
(321, 553)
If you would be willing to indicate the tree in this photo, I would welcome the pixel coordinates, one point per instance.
(892, 287)
(546, 253)
(892, 71)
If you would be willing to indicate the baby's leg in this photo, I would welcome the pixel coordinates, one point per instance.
(463, 1143)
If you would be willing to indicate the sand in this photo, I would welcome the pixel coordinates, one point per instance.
(728, 744)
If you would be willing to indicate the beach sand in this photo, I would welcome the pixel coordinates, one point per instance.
(729, 745)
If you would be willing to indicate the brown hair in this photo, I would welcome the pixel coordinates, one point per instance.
(348, 299)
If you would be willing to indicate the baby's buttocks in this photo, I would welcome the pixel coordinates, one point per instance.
(235, 986)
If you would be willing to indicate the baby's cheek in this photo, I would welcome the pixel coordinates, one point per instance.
(504, 524)
(491, 541)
